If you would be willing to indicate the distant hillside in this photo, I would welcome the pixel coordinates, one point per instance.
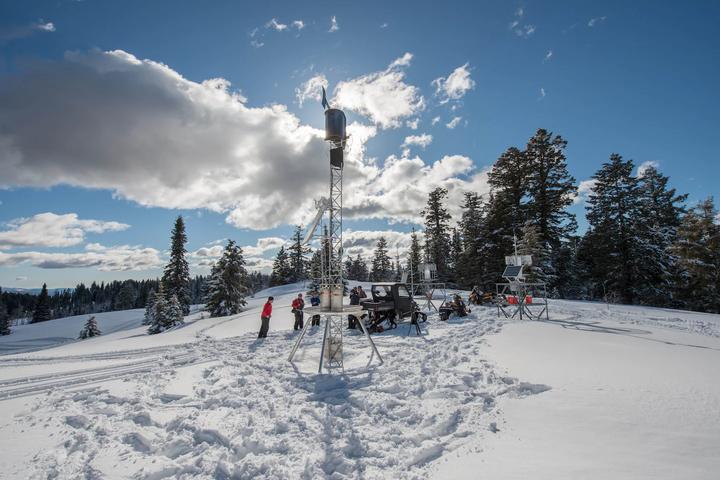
(34, 291)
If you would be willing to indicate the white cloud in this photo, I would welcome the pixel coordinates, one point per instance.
(274, 24)
(420, 140)
(51, 230)
(8, 33)
(334, 27)
(435, 120)
(143, 131)
(384, 25)
(398, 190)
(453, 123)
(311, 89)
(596, 20)
(363, 242)
(256, 43)
(519, 12)
(525, 31)
(585, 188)
(542, 93)
(643, 167)
(383, 96)
(413, 124)
(21, 278)
(548, 55)
(456, 85)
(253, 254)
(116, 258)
(298, 24)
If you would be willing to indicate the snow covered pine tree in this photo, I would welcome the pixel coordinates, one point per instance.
(227, 284)
(176, 277)
(90, 329)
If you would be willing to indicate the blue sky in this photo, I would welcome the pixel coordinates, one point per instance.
(637, 78)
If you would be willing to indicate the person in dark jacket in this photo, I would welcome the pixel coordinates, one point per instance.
(354, 300)
(361, 292)
(315, 302)
(265, 318)
(297, 308)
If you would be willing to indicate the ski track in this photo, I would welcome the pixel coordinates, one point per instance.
(253, 415)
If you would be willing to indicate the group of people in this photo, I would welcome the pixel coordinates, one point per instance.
(298, 307)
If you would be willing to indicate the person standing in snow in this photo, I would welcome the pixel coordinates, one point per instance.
(361, 292)
(315, 302)
(354, 300)
(297, 308)
(265, 318)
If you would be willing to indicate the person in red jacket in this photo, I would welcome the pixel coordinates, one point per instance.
(265, 318)
(297, 308)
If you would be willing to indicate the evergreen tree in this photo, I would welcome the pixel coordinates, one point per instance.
(531, 244)
(437, 231)
(297, 260)
(227, 284)
(42, 311)
(551, 188)
(381, 268)
(4, 317)
(358, 269)
(610, 243)
(414, 257)
(90, 329)
(282, 271)
(456, 250)
(659, 216)
(176, 277)
(159, 315)
(697, 248)
(126, 297)
(149, 317)
(469, 268)
(173, 312)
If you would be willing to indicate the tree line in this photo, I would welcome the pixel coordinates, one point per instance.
(643, 244)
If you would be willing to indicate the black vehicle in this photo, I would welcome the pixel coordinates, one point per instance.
(390, 302)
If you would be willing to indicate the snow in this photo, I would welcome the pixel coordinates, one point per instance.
(597, 392)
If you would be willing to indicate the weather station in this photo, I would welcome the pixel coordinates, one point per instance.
(329, 216)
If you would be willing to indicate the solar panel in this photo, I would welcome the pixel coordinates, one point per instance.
(512, 271)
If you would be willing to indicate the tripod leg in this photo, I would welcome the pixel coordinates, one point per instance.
(324, 344)
(372, 344)
(297, 343)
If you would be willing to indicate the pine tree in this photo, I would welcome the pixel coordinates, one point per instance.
(227, 284)
(551, 188)
(697, 248)
(127, 296)
(90, 329)
(4, 318)
(414, 257)
(296, 254)
(530, 243)
(149, 317)
(659, 216)
(42, 311)
(176, 277)
(381, 268)
(159, 321)
(173, 312)
(456, 250)
(281, 272)
(359, 269)
(437, 231)
(469, 268)
(610, 242)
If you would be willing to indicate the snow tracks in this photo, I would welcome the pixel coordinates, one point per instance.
(241, 411)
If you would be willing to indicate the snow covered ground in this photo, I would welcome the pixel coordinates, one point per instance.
(597, 392)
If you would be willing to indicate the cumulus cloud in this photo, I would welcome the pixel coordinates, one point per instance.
(643, 167)
(382, 96)
(435, 120)
(420, 140)
(298, 24)
(143, 131)
(585, 188)
(51, 230)
(334, 27)
(253, 254)
(453, 123)
(363, 242)
(413, 124)
(398, 191)
(311, 89)
(455, 86)
(116, 258)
